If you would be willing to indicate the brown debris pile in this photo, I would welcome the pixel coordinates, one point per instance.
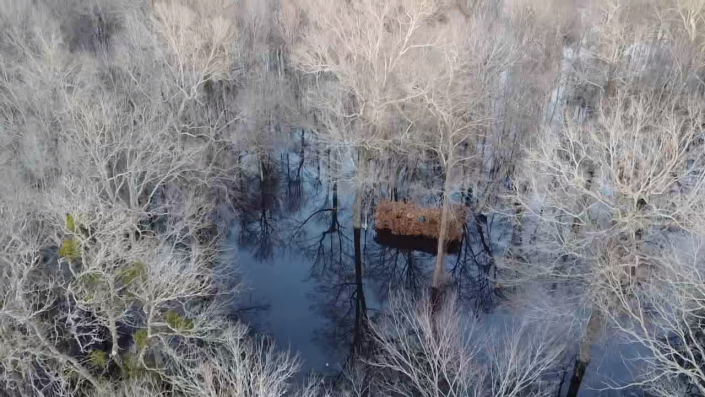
(411, 220)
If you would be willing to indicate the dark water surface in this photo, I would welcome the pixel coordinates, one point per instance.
(308, 287)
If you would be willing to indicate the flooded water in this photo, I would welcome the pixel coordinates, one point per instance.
(310, 280)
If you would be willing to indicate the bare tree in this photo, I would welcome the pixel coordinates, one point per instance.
(354, 57)
(441, 353)
(454, 88)
(108, 257)
(412, 76)
(607, 192)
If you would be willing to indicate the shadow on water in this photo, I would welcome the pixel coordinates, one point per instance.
(413, 243)
(313, 281)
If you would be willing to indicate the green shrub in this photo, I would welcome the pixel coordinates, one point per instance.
(70, 223)
(141, 339)
(75, 226)
(137, 271)
(177, 322)
(70, 249)
(98, 358)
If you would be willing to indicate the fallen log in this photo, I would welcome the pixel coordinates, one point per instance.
(405, 219)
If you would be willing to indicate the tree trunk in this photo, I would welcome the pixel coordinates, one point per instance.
(302, 155)
(584, 200)
(440, 255)
(357, 206)
(577, 379)
(360, 303)
(261, 167)
(357, 210)
(334, 206)
(318, 162)
(592, 331)
(288, 171)
(611, 88)
(518, 229)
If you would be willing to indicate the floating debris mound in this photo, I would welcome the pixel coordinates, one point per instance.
(406, 219)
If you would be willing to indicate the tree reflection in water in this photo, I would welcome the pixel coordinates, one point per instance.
(260, 212)
(351, 272)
